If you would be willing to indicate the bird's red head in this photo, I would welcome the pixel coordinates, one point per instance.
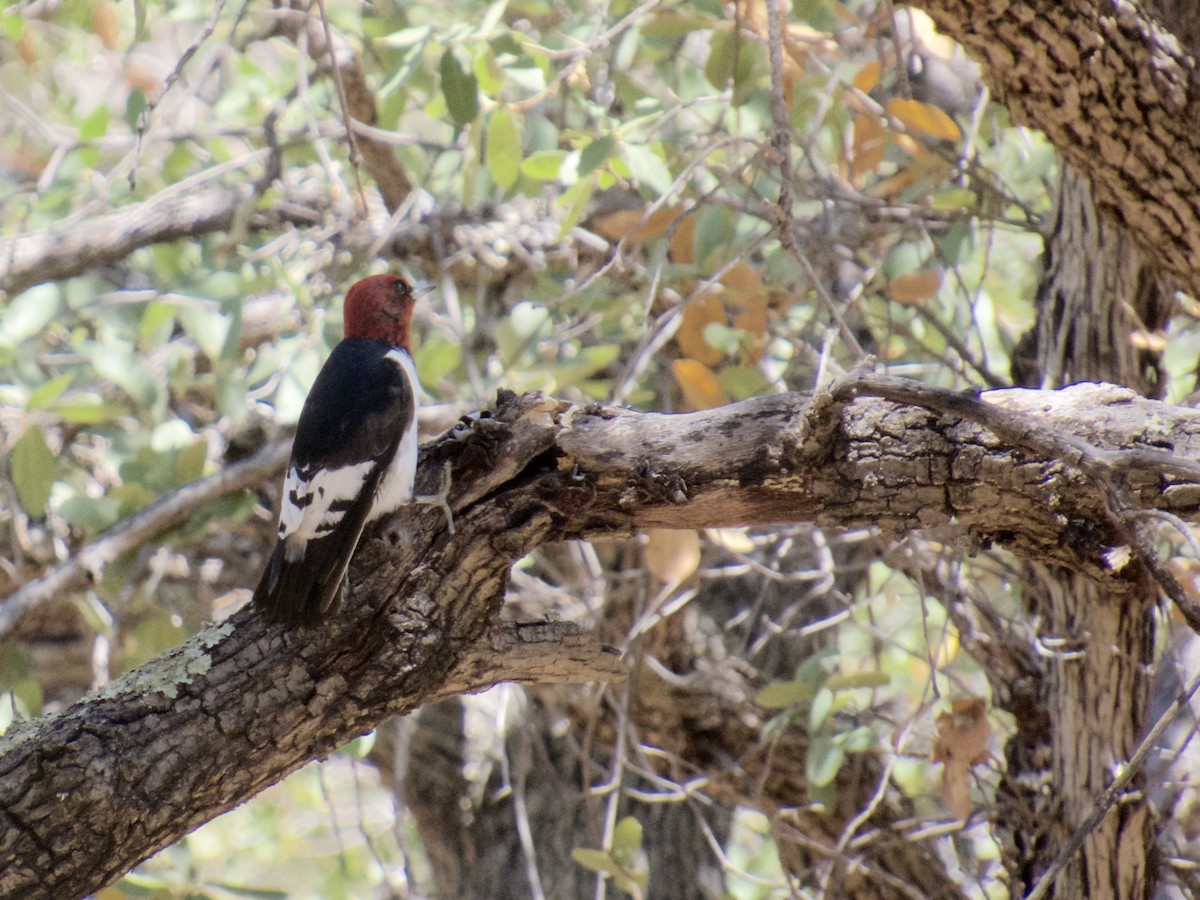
(379, 307)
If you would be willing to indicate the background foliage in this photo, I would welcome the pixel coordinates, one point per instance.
(595, 202)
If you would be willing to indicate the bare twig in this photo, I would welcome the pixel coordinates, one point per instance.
(169, 512)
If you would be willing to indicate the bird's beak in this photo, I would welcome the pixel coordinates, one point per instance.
(423, 289)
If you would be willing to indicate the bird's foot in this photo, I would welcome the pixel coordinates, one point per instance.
(440, 498)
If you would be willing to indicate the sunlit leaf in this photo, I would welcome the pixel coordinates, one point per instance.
(593, 860)
(825, 758)
(45, 394)
(503, 148)
(867, 77)
(699, 384)
(28, 313)
(924, 118)
(672, 554)
(818, 712)
(543, 165)
(648, 168)
(627, 839)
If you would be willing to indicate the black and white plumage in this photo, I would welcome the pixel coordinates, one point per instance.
(354, 456)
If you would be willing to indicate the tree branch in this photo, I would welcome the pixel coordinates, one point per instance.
(88, 793)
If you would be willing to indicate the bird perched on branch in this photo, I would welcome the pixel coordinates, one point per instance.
(354, 457)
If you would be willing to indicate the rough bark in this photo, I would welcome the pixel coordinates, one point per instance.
(86, 794)
(1115, 94)
(1098, 302)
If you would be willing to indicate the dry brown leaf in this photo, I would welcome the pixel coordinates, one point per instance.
(690, 337)
(699, 384)
(672, 555)
(913, 287)
(683, 243)
(630, 222)
(870, 141)
(962, 742)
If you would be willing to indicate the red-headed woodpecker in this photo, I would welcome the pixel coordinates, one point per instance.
(354, 456)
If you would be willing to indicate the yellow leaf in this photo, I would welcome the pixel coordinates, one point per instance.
(699, 384)
(924, 118)
(671, 555)
(947, 649)
(914, 287)
(696, 315)
(870, 140)
(867, 77)
(909, 145)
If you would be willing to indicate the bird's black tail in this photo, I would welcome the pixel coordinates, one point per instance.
(303, 591)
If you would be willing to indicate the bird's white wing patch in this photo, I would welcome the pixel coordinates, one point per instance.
(314, 506)
(396, 486)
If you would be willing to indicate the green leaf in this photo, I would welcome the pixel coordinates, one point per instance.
(47, 393)
(189, 464)
(741, 382)
(86, 409)
(543, 165)
(627, 840)
(825, 758)
(593, 860)
(782, 694)
(860, 740)
(34, 470)
(460, 88)
(671, 26)
(595, 154)
(577, 195)
(436, 359)
(858, 680)
(96, 123)
(13, 24)
(29, 313)
(503, 149)
(818, 713)
(648, 168)
(135, 103)
(90, 513)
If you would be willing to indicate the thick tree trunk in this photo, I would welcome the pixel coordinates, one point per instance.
(1116, 95)
(1098, 303)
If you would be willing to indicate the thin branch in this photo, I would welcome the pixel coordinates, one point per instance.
(147, 524)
